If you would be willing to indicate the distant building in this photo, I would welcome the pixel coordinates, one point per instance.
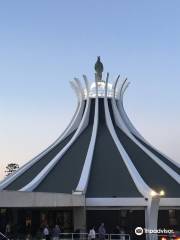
(99, 170)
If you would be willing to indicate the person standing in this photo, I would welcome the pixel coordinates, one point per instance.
(102, 232)
(122, 232)
(56, 232)
(92, 234)
(8, 230)
(46, 233)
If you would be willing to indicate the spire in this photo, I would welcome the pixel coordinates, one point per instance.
(99, 69)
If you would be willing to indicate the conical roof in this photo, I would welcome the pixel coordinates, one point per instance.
(100, 153)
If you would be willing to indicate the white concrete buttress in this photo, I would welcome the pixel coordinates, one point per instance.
(83, 182)
(143, 188)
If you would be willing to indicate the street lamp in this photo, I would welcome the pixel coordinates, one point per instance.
(160, 194)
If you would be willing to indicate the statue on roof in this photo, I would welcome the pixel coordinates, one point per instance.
(99, 69)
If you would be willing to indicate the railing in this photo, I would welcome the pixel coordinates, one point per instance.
(121, 236)
(83, 236)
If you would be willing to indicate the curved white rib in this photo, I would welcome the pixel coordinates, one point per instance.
(70, 128)
(39, 178)
(115, 87)
(120, 123)
(131, 127)
(83, 182)
(143, 188)
(123, 87)
(78, 115)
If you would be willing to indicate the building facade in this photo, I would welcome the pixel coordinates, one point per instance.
(99, 170)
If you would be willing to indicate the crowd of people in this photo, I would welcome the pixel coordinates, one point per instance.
(55, 233)
(118, 233)
(101, 233)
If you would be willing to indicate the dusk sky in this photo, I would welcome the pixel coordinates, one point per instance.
(46, 43)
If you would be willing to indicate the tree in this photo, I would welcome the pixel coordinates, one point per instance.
(11, 167)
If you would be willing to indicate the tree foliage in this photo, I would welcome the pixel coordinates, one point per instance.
(10, 168)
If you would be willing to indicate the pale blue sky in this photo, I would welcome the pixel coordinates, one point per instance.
(45, 43)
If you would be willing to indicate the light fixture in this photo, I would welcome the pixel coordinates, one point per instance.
(153, 193)
(162, 193)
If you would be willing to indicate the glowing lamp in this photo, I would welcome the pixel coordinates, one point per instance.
(162, 193)
(153, 193)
